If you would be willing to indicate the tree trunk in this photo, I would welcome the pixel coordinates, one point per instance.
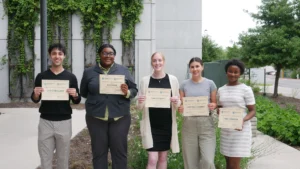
(278, 70)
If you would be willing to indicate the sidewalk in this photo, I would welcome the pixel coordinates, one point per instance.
(272, 154)
(18, 133)
(289, 92)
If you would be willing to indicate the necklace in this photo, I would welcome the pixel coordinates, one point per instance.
(158, 76)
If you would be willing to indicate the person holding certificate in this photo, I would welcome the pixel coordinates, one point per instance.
(198, 129)
(55, 125)
(236, 143)
(158, 125)
(108, 108)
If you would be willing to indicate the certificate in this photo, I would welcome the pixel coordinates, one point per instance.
(231, 118)
(111, 84)
(195, 106)
(158, 98)
(55, 89)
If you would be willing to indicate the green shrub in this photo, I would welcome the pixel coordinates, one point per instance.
(254, 86)
(294, 74)
(281, 123)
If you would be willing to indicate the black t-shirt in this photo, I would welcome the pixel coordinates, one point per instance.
(56, 110)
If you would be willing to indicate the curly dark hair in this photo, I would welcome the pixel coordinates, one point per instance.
(235, 62)
(106, 46)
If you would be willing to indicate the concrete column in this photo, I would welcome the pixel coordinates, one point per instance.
(77, 48)
(4, 87)
(145, 43)
(178, 33)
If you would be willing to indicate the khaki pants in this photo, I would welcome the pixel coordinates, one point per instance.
(54, 135)
(198, 142)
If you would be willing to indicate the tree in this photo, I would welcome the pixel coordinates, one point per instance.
(210, 50)
(276, 39)
(233, 52)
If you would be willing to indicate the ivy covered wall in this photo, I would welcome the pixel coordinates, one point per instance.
(97, 20)
(163, 25)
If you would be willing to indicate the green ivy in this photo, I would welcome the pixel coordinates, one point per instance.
(97, 17)
(130, 11)
(3, 61)
(22, 18)
(59, 14)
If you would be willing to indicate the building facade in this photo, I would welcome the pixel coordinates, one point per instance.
(172, 27)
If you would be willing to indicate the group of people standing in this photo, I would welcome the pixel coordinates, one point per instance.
(108, 116)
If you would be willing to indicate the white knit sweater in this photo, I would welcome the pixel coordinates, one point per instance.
(145, 122)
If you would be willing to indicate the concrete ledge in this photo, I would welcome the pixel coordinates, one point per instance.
(254, 126)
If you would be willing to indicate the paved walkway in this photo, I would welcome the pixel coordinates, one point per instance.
(290, 92)
(18, 133)
(272, 154)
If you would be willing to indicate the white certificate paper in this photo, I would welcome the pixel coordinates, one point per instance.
(231, 118)
(195, 106)
(55, 89)
(158, 98)
(111, 84)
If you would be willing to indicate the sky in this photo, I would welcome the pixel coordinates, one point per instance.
(224, 20)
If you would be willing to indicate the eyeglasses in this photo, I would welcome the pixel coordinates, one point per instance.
(111, 54)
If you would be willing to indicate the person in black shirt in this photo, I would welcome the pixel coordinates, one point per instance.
(158, 125)
(55, 125)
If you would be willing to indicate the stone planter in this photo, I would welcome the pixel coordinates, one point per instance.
(254, 126)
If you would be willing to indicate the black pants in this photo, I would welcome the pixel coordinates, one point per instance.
(109, 135)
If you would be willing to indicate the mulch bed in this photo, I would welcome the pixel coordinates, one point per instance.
(286, 101)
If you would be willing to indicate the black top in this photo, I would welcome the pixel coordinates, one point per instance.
(56, 110)
(161, 118)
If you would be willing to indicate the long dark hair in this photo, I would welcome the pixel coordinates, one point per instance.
(196, 59)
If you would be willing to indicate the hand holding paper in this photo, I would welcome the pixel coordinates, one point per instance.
(174, 99)
(124, 88)
(38, 90)
(72, 92)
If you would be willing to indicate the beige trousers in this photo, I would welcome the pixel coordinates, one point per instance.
(54, 135)
(198, 142)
